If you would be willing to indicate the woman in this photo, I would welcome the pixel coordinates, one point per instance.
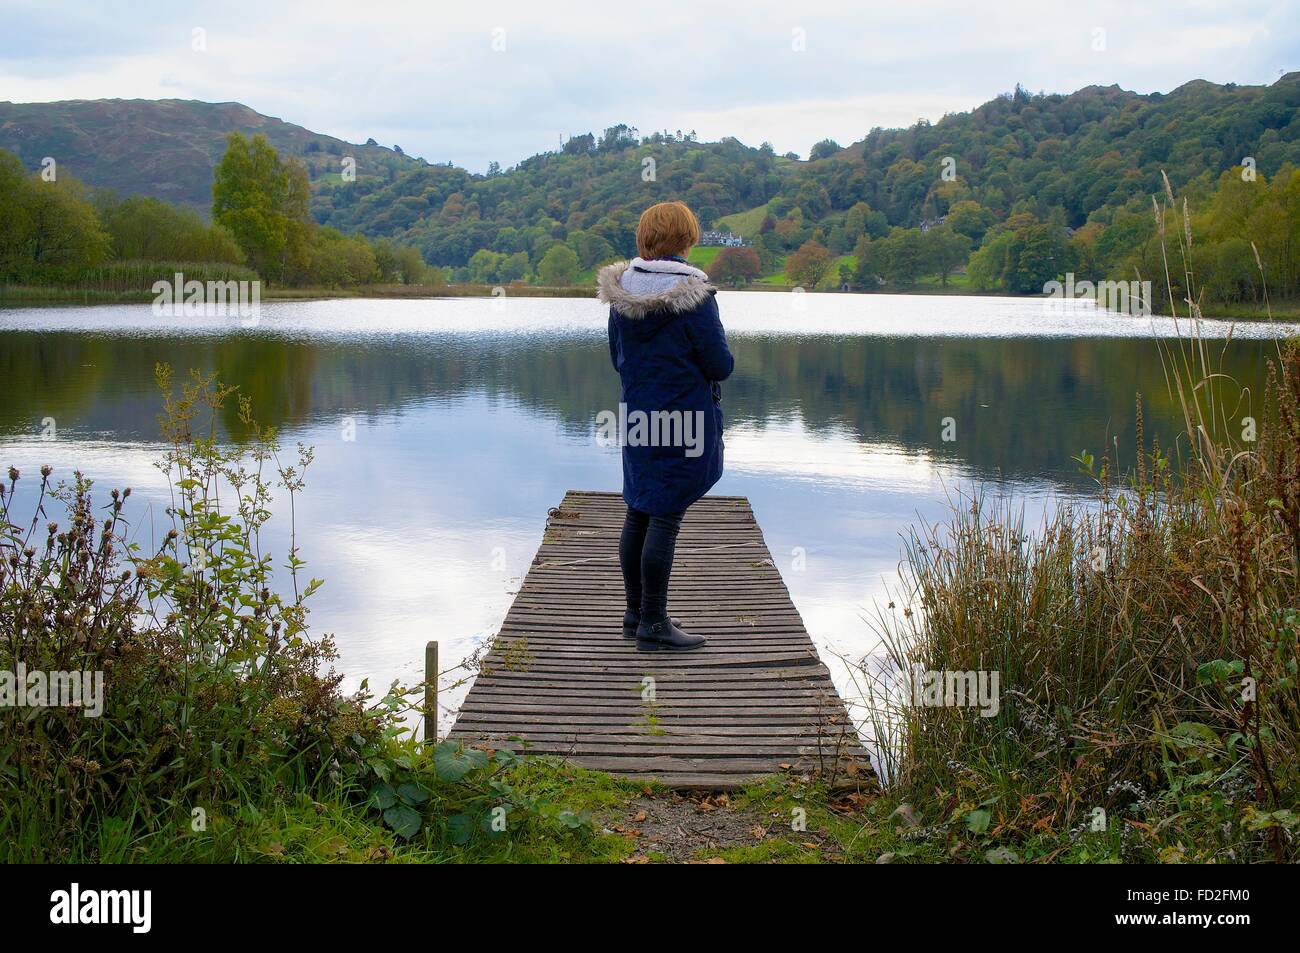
(669, 348)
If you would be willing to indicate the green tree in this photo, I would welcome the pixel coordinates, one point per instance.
(559, 266)
(146, 228)
(515, 267)
(1020, 256)
(64, 232)
(410, 265)
(339, 261)
(265, 204)
(484, 267)
(15, 219)
(943, 250)
(823, 150)
(970, 219)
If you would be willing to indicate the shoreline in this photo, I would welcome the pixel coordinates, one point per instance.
(41, 296)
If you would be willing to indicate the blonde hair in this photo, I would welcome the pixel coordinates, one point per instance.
(668, 228)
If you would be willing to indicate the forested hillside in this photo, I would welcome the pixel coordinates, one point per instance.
(1066, 157)
(1004, 198)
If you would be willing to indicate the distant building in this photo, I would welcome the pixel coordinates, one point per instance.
(725, 239)
(930, 223)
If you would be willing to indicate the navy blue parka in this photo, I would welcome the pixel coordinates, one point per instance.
(667, 343)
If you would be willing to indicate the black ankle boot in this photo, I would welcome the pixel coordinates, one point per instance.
(665, 634)
(631, 620)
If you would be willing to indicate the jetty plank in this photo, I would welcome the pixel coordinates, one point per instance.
(560, 679)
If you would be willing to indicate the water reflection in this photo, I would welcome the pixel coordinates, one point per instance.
(469, 424)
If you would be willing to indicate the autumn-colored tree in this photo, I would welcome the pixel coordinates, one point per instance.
(809, 265)
(736, 266)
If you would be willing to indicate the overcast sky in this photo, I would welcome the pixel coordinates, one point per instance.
(502, 80)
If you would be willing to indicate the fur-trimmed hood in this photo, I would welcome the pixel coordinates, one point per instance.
(638, 288)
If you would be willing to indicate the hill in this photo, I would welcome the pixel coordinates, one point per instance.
(1067, 159)
(167, 148)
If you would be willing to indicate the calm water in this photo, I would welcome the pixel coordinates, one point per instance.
(472, 417)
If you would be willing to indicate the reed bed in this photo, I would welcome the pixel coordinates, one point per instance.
(1144, 642)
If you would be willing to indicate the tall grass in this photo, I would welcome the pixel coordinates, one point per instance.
(139, 275)
(1145, 642)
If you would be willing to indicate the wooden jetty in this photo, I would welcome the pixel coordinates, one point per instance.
(755, 701)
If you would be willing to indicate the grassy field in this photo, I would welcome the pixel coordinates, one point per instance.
(743, 223)
(703, 256)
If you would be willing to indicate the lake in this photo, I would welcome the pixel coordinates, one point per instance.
(444, 429)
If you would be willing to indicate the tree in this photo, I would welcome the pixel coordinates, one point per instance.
(899, 259)
(559, 266)
(617, 137)
(385, 259)
(943, 250)
(410, 265)
(736, 266)
(146, 228)
(336, 260)
(484, 267)
(1020, 256)
(15, 221)
(1036, 255)
(591, 249)
(824, 149)
(514, 268)
(867, 269)
(265, 203)
(580, 145)
(988, 264)
(970, 219)
(809, 265)
(904, 256)
(64, 230)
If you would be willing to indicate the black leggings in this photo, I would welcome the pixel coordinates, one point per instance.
(645, 551)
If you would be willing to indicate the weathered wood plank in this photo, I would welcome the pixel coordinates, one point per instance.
(560, 678)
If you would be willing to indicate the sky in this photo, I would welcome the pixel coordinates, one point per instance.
(472, 83)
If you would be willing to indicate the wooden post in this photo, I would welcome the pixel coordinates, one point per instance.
(431, 693)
